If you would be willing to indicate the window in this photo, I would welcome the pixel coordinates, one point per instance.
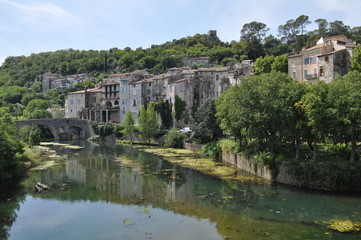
(315, 72)
(306, 61)
(294, 76)
(78, 100)
(322, 72)
(148, 91)
(217, 77)
(123, 110)
(134, 92)
(133, 85)
(71, 101)
(149, 84)
(124, 82)
(124, 101)
(122, 90)
(134, 102)
(326, 58)
(305, 73)
(313, 60)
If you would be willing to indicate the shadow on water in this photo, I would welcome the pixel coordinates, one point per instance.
(124, 176)
(11, 196)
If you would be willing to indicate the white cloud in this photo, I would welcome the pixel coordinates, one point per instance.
(44, 14)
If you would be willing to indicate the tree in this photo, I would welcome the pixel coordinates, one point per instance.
(345, 110)
(322, 26)
(164, 109)
(128, 125)
(261, 110)
(356, 60)
(37, 109)
(207, 128)
(179, 107)
(254, 31)
(148, 122)
(263, 65)
(302, 21)
(339, 28)
(10, 147)
(280, 63)
(274, 46)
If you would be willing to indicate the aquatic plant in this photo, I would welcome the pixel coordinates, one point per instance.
(344, 225)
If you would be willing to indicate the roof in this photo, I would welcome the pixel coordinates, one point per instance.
(87, 90)
(219, 69)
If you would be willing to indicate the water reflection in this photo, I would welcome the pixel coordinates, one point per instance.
(123, 175)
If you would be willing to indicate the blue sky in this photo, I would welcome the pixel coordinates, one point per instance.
(28, 27)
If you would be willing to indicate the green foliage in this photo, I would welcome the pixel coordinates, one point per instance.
(179, 107)
(336, 175)
(261, 109)
(164, 109)
(174, 139)
(333, 110)
(105, 129)
(229, 146)
(10, 149)
(211, 149)
(356, 60)
(148, 122)
(37, 109)
(268, 64)
(30, 135)
(206, 128)
(338, 150)
(128, 125)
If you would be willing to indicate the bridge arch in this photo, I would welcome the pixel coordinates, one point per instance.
(62, 128)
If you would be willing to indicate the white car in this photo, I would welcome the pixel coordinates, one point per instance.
(186, 130)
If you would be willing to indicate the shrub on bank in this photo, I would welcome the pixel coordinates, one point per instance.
(174, 139)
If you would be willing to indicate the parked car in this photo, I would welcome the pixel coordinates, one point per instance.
(186, 130)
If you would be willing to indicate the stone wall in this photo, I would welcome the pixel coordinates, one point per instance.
(244, 163)
(191, 146)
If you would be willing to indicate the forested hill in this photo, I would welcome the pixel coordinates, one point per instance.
(22, 71)
(18, 75)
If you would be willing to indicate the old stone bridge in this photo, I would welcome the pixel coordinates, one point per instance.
(62, 128)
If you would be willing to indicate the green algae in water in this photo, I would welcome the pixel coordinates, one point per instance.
(102, 193)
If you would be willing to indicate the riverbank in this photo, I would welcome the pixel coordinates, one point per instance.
(208, 166)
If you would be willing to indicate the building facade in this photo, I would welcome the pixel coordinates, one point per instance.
(127, 92)
(330, 57)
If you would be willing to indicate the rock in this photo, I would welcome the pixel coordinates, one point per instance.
(40, 187)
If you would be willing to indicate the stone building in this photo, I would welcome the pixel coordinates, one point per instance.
(203, 61)
(55, 81)
(127, 92)
(329, 57)
(85, 104)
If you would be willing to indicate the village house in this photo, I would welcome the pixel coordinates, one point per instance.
(127, 92)
(330, 57)
(79, 103)
(54, 81)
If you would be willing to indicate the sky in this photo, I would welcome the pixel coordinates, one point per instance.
(29, 26)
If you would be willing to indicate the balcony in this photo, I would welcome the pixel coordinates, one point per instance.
(311, 76)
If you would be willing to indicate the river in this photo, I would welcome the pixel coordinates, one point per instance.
(109, 191)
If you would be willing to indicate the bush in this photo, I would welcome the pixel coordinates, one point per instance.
(339, 150)
(174, 139)
(104, 129)
(227, 145)
(211, 149)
